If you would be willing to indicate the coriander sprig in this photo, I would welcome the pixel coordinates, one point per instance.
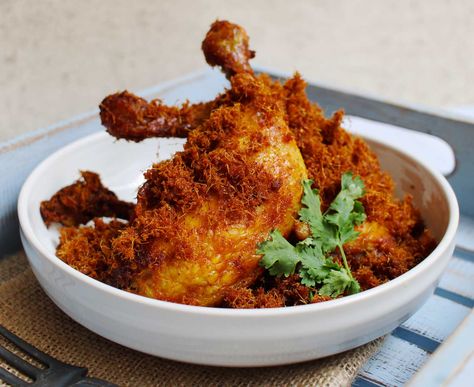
(312, 257)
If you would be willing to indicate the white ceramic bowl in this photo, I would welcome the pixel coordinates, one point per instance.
(226, 337)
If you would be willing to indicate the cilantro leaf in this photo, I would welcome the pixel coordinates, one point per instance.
(353, 186)
(357, 217)
(323, 232)
(311, 258)
(313, 261)
(353, 287)
(345, 211)
(337, 282)
(279, 256)
(312, 202)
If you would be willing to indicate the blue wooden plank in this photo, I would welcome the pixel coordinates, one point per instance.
(459, 277)
(465, 234)
(362, 382)
(464, 254)
(469, 302)
(453, 363)
(411, 344)
(437, 318)
(423, 342)
(395, 363)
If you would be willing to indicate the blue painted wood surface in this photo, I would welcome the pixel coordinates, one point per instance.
(453, 364)
(411, 345)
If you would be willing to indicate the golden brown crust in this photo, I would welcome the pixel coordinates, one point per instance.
(272, 293)
(227, 45)
(90, 250)
(132, 118)
(82, 201)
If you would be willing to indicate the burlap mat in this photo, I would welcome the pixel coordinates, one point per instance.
(27, 311)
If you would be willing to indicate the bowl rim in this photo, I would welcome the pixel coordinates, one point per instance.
(28, 232)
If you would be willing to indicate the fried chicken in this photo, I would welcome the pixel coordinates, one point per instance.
(82, 201)
(200, 215)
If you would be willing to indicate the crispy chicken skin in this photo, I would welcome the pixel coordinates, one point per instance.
(132, 118)
(227, 45)
(200, 215)
(82, 201)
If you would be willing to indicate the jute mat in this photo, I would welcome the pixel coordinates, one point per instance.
(27, 311)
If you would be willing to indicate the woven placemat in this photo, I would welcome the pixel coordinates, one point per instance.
(27, 311)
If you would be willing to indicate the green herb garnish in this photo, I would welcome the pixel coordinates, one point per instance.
(312, 258)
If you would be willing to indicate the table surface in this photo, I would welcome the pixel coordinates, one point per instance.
(410, 347)
(59, 59)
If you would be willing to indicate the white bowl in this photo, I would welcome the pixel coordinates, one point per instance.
(226, 337)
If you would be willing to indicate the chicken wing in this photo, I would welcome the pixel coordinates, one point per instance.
(132, 118)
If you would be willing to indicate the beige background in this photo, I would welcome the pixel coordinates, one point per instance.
(60, 58)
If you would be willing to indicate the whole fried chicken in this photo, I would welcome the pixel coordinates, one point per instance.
(193, 234)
